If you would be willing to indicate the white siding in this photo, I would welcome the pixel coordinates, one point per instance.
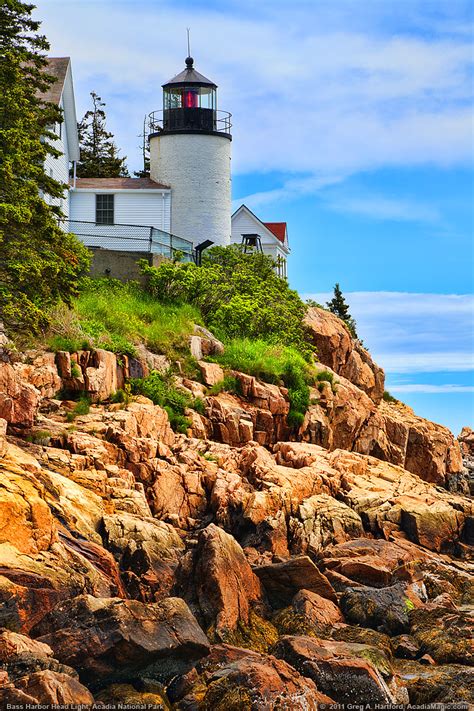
(245, 223)
(136, 207)
(58, 168)
(197, 167)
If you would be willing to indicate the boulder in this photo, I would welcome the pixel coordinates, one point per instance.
(322, 521)
(39, 370)
(100, 375)
(319, 610)
(212, 373)
(147, 551)
(348, 672)
(125, 696)
(225, 584)
(19, 401)
(374, 562)
(49, 687)
(100, 636)
(444, 684)
(444, 634)
(233, 678)
(283, 580)
(383, 609)
(346, 356)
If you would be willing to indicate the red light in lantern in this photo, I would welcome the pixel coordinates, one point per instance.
(191, 99)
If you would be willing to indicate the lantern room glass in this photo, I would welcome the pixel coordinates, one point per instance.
(190, 97)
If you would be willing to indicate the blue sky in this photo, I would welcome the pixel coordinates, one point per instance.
(352, 122)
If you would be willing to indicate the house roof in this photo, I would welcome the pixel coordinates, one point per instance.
(56, 67)
(278, 229)
(118, 184)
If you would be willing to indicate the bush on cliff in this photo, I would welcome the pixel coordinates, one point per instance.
(239, 296)
(161, 389)
(273, 363)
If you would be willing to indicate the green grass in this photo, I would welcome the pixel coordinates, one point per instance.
(281, 365)
(161, 389)
(115, 316)
(230, 384)
(325, 376)
(82, 407)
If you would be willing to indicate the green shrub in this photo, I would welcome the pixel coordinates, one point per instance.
(39, 437)
(278, 364)
(230, 384)
(162, 390)
(199, 405)
(123, 395)
(239, 296)
(82, 407)
(76, 372)
(389, 398)
(325, 376)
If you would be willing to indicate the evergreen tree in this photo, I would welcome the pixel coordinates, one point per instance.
(39, 262)
(99, 154)
(340, 308)
(145, 149)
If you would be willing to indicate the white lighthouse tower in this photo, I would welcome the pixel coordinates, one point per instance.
(190, 150)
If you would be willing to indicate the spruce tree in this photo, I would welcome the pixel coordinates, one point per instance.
(340, 308)
(39, 262)
(99, 154)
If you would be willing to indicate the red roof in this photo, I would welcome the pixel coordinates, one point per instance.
(278, 229)
(118, 184)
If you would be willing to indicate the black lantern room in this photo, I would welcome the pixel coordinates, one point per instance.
(190, 104)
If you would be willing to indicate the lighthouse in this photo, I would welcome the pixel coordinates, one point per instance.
(190, 150)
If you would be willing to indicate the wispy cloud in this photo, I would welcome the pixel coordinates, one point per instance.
(432, 389)
(414, 333)
(378, 207)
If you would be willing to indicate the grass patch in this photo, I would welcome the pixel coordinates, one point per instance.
(230, 384)
(325, 376)
(278, 364)
(389, 398)
(123, 395)
(82, 407)
(161, 389)
(115, 316)
(39, 437)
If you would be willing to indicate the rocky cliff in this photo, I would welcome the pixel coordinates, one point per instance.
(244, 565)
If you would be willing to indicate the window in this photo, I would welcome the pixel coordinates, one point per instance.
(104, 209)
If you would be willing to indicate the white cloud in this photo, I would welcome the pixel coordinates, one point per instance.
(432, 389)
(414, 333)
(382, 208)
(314, 89)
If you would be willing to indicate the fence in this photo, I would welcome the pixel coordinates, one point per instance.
(130, 238)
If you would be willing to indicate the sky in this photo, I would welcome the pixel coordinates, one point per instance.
(352, 122)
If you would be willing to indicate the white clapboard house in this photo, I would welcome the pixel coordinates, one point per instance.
(184, 205)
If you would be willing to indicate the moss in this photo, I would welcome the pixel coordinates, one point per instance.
(362, 635)
(223, 695)
(378, 659)
(287, 621)
(126, 694)
(258, 634)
